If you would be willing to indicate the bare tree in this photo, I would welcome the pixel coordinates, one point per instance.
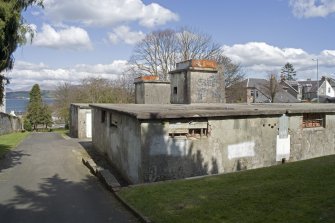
(65, 94)
(91, 90)
(196, 45)
(232, 72)
(159, 51)
(155, 54)
(271, 87)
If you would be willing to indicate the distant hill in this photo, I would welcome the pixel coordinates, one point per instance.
(25, 94)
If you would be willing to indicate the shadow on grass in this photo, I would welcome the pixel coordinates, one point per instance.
(61, 200)
(10, 158)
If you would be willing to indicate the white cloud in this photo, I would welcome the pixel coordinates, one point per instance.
(259, 58)
(108, 12)
(25, 74)
(74, 38)
(312, 8)
(123, 33)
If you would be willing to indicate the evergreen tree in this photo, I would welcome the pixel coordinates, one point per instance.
(37, 112)
(46, 118)
(288, 72)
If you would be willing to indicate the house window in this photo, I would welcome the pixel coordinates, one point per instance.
(329, 90)
(103, 116)
(256, 94)
(313, 120)
(252, 93)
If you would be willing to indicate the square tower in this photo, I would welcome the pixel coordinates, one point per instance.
(197, 81)
(151, 90)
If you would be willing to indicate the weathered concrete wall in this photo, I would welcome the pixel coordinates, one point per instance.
(308, 143)
(232, 145)
(78, 127)
(9, 124)
(197, 81)
(118, 137)
(206, 87)
(179, 88)
(160, 148)
(152, 92)
(73, 121)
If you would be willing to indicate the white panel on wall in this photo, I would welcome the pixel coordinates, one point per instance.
(283, 148)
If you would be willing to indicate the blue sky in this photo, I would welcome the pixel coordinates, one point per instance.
(79, 38)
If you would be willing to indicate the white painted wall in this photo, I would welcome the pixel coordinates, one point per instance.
(326, 89)
(89, 125)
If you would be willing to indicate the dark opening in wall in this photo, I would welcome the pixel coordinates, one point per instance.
(103, 116)
(112, 121)
(175, 90)
(194, 130)
(313, 120)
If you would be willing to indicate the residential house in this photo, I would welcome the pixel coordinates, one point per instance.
(292, 87)
(255, 90)
(309, 90)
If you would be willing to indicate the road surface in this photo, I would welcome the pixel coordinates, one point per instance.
(43, 180)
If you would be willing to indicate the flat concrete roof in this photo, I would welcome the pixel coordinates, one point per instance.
(172, 111)
(81, 105)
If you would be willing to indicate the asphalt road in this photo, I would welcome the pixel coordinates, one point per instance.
(43, 180)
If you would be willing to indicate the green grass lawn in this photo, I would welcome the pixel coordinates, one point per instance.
(10, 141)
(294, 192)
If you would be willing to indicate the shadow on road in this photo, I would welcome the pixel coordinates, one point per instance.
(60, 200)
(11, 158)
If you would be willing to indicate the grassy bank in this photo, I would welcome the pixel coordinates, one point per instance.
(295, 192)
(10, 141)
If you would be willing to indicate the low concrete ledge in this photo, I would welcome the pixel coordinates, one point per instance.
(109, 179)
(112, 185)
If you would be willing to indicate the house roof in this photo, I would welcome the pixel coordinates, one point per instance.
(313, 84)
(280, 97)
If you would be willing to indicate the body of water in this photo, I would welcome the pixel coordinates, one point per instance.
(20, 105)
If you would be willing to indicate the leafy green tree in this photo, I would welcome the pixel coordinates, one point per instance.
(288, 72)
(12, 33)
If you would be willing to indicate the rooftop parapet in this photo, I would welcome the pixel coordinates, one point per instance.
(196, 65)
(146, 78)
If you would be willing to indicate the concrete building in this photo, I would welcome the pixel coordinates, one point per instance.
(151, 90)
(197, 81)
(80, 121)
(196, 135)
(148, 143)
